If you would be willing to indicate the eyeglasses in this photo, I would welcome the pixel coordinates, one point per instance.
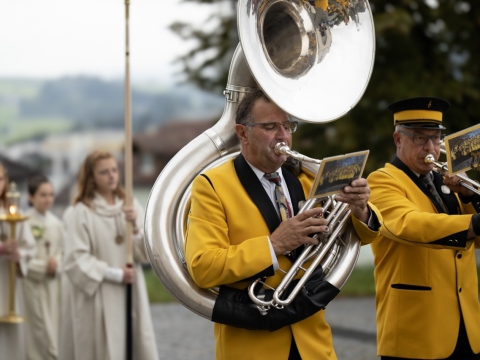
(274, 127)
(423, 139)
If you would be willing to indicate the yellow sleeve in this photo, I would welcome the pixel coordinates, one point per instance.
(409, 217)
(212, 259)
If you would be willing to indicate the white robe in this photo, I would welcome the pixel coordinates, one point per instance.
(42, 291)
(93, 313)
(12, 337)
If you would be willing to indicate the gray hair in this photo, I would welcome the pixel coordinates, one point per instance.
(244, 114)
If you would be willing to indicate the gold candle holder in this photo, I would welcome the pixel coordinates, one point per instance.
(12, 217)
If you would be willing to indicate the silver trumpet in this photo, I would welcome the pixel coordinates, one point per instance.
(327, 253)
(465, 181)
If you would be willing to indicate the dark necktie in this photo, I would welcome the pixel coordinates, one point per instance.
(428, 181)
(282, 203)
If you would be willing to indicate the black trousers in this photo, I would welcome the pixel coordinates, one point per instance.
(294, 354)
(462, 351)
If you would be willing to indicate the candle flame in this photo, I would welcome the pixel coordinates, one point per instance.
(12, 209)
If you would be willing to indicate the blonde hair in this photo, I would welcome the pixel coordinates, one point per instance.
(3, 195)
(86, 183)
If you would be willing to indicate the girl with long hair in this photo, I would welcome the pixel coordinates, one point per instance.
(93, 319)
(41, 286)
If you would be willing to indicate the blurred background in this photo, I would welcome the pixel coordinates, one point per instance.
(62, 80)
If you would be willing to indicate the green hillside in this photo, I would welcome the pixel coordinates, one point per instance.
(13, 126)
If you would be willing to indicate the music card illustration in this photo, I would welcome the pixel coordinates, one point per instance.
(336, 172)
(463, 150)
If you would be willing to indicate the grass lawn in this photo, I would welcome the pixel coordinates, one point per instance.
(156, 291)
(360, 283)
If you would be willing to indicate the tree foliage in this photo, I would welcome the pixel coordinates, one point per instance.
(423, 48)
(208, 62)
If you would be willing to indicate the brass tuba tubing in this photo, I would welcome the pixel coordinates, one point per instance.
(466, 182)
(308, 272)
(337, 219)
(306, 255)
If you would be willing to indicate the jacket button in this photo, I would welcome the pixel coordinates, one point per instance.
(459, 256)
(450, 240)
(460, 290)
(455, 241)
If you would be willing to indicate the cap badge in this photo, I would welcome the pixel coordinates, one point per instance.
(429, 104)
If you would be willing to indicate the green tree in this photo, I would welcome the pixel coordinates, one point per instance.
(207, 62)
(423, 48)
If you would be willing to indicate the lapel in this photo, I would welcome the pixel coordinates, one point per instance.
(450, 200)
(257, 193)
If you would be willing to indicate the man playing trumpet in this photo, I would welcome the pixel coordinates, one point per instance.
(229, 242)
(425, 268)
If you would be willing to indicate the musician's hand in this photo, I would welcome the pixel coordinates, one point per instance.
(10, 248)
(129, 275)
(452, 183)
(294, 232)
(356, 195)
(52, 266)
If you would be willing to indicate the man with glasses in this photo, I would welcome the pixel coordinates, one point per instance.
(425, 268)
(238, 232)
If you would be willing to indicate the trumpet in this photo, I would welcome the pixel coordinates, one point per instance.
(326, 253)
(465, 181)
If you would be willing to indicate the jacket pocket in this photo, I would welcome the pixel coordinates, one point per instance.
(411, 287)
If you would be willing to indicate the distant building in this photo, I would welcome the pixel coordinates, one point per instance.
(59, 157)
(17, 171)
(153, 150)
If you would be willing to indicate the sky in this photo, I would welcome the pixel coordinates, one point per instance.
(54, 38)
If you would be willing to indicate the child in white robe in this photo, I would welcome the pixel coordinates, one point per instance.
(19, 250)
(94, 284)
(41, 286)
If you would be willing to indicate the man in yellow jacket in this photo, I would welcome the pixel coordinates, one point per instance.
(235, 236)
(425, 268)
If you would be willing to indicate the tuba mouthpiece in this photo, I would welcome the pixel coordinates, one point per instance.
(281, 148)
(429, 159)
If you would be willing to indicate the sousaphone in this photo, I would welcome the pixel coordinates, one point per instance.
(314, 60)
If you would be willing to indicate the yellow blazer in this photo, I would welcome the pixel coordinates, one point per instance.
(425, 269)
(226, 243)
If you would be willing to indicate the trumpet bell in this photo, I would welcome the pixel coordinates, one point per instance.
(294, 37)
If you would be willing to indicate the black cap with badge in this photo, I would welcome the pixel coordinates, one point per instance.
(419, 112)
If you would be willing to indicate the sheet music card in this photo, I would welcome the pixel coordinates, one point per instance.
(336, 172)
(463, 150)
